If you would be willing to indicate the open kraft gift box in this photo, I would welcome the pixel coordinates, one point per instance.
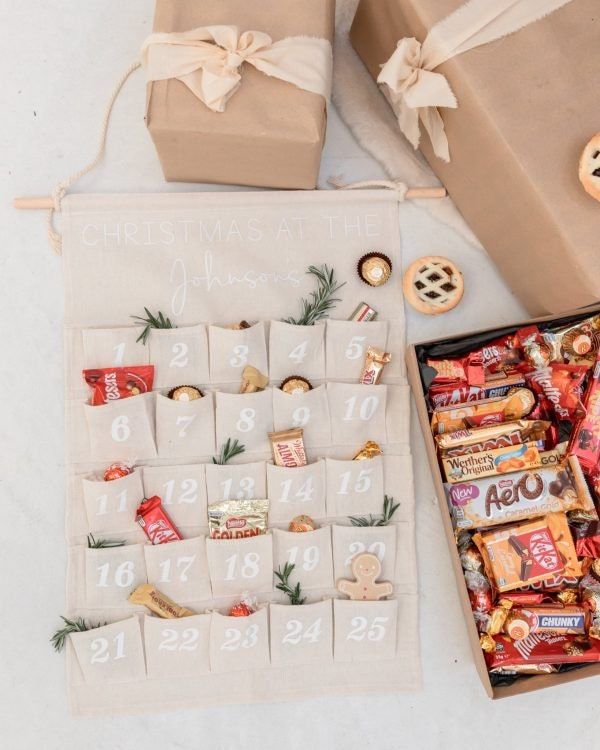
(451, 347)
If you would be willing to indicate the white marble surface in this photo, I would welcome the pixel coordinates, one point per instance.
(59, 61)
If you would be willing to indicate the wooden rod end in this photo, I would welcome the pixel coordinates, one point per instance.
(41, 202)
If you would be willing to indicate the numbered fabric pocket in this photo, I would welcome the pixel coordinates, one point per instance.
(364, 631)
(122, 429)
(246, 417)
(113, 347)
(179, 355)
(357, 413)
(301, 634)
(231, 351)
(309, 552)
(349, 541)
(111, 574)
(111, 654)
(307, 410)
(110, 506)
(239, 643)
(296, 350)
(185, 428)
(294, 491)
(238, 565)
(177, 648)
(236, 481)
(354, 487)
(347, 344)
(182, 490)
(179, 569)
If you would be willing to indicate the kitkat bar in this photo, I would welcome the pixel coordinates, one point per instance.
(585, 439)
(527, 552)
(520, 495)
(542, 648)
(447, 394)
(491, 462)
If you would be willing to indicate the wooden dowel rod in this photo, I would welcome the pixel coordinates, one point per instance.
(46, 202)
(39, 202)
(426, 192)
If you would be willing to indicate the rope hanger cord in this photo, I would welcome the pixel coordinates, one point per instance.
(52, 203)
(60, 190)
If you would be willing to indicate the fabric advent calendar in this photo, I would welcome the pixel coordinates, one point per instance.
(207, 261)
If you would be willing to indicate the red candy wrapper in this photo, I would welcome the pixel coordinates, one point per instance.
(501, 354)
(460, 371)
(542, 648)
(561, 386)
(112, 383)
(585, 440)
(447, 394)
(156, 523)
(116, 471)
(587, 539)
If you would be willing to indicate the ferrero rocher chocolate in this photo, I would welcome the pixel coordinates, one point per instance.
(253, 380)
(149, 596)
(295, 384)
(301, 524)
(241, 326)
(185, 393)
(375, 361)
(375, 269)
(369, 450)
(288, 447)
(363, 313)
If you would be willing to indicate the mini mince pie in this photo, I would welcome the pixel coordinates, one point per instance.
(433, 285)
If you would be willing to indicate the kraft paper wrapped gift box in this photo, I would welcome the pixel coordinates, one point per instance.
(271, 133)
(527, 105)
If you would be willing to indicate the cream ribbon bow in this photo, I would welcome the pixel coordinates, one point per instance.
(407, 78)
(208, 60)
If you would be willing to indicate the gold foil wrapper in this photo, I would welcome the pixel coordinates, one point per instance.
(375, 269)
(498, 616)
(369, 450)
(149, 596)
(301, 524)
(295, 384)
(487, 643)
(253, 380)
(238, 519)
(185, 393)
(375, 361)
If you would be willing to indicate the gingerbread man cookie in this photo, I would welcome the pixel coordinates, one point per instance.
(365, 568)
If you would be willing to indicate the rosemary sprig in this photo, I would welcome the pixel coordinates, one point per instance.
(149, 322)
(295, 594)
(94, 543)
(389, 508)
(229, 450)
(321, 300)
(79, 625)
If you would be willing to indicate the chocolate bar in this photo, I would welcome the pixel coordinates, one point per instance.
(520, 495)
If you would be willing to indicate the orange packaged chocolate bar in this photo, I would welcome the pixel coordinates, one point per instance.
(491, 462)
(527, 552)
(515, 405)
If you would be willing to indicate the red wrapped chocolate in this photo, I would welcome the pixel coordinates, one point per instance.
(587, 539)
(460, 371)
(561, 385)
(542, 648)
(447, 394)
(117, 470)
(501, 354)
(157, 525)
(112, 383)
(585, 440)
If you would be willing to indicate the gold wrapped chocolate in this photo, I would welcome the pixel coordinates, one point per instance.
(375, 269)
(487, 643)
(253, 380)
(498, 617)
(369, 450)
(567, 597)
(149, 596)
(375, 361)
(295, 385)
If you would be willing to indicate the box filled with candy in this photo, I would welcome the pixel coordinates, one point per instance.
(511, 419)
